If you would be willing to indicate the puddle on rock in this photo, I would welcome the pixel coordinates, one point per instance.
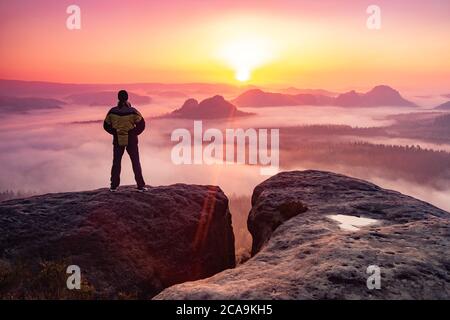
(352, 223)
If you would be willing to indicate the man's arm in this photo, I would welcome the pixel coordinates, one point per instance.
(108, 126)
(140, 127)
(140, 124)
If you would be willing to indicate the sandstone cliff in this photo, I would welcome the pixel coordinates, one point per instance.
(127, 244)
(301, 251)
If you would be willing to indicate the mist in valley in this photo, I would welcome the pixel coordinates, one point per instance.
(66, 149)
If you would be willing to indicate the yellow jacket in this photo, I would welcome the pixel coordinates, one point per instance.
(125, 124)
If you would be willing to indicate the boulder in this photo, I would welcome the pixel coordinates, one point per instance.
(310, 255)
(127, 244)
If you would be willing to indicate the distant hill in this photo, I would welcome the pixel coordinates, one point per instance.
(57, 90)
(378, 96)
(168, 94)
(21, 88)
(293, 90)
(212, 108)
(349, 99)
(16, 104)
(259, 98)
(105, 98)
(444, 106)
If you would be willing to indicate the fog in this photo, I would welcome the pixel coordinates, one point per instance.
(67, 150)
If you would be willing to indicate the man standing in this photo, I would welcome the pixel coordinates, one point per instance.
(125, 123)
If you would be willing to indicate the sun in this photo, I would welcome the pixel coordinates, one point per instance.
(242, 75)
(244, 55)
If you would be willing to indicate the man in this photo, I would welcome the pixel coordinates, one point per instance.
(125, 123)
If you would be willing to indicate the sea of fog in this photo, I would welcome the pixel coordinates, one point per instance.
(67, 150)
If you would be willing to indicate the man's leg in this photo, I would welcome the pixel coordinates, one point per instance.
(116, 167)
(133, 151)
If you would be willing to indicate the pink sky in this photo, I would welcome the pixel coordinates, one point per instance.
(301, 43)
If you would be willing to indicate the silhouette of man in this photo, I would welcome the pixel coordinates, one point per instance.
(125, 123)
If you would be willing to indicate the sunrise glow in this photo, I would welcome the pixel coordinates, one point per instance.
(300, 43)
(240, 152)
(246, 54)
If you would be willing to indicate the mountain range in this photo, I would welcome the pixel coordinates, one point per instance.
(22, 88)
(378, 96)
(248, 96)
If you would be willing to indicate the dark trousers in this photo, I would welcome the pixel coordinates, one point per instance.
(133, 152)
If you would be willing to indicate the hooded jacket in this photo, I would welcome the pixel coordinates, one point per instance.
(125, 123)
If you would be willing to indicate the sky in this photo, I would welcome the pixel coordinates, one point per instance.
(324, 44)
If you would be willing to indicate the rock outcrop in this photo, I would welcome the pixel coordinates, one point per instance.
(127, 244)
(211, 108)
(300, 252)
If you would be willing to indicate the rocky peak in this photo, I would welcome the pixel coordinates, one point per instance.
(127, 244)
(301, 249)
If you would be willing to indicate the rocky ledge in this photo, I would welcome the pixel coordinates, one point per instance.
(126, 244)
(320, 235)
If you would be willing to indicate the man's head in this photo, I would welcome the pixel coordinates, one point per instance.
(123, 96)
